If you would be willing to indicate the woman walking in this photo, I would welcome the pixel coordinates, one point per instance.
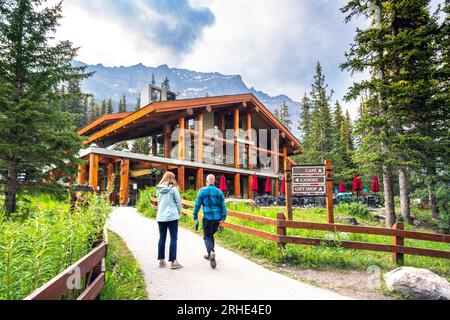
(169, 210)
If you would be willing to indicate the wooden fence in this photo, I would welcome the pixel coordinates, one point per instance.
(397, 233)
(91, 267)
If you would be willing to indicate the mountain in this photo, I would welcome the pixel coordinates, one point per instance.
(115, 81)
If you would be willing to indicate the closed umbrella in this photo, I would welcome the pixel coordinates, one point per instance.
(255, 186)
(283, 186)
(375, 184)
(341, 187)
(268, 188)
(223, 184)
(357, 185)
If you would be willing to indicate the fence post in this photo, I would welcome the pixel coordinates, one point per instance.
(399, 241)
(281, 231)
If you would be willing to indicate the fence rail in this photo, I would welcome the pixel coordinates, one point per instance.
(91, 266)
(397, 233)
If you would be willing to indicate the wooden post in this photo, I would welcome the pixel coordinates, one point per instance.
(329, 190)
(155, 146)
(289, 191)
(181, 127)
(81, 178)
(399, 241)
(250, 138)
(181, 178)
(237, 186)
(110, 184)
(199, 180)
(93, 171)
(281, 231)
(200, 138)
(167, 140)
(277, 187)
(236, 136)
(124, 181)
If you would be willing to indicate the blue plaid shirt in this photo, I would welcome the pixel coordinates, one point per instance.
(213, 202)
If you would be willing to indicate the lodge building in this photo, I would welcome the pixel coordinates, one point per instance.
(192, 138)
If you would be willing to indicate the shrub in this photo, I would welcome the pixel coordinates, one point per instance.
(355, 209)
(35, 249)
(144, 204)
(189, 195)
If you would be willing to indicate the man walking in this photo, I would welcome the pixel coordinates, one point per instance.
(214, 212)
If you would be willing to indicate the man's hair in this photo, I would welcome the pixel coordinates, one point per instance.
(210, 179)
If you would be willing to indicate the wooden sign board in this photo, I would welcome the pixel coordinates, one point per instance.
(308, 181)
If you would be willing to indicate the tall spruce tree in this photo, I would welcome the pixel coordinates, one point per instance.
(34, 133)
(138, 103)
(400, 56)
(304, 125)
(284, 116)
(104, 107)
(109, 107)
(123, 104)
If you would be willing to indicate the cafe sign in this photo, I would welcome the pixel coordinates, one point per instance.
(308, 181)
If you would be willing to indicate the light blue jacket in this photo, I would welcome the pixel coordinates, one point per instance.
(169, 203)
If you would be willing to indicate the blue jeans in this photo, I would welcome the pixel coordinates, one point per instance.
(173, 230)
(210, 227)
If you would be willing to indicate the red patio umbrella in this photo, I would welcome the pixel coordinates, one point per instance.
(357, 185)
(375, 184)
(255, 186)
(268, 188)
(283, 186)
(341, 187)
(223, 184)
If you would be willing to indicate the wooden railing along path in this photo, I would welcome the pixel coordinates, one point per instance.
(91, 268)
(398, 234)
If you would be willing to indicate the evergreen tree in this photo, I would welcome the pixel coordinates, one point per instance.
(305, 121)
(104, 107)
(284, 116)
(321, 137)
(123, 104)
(109, 107)
(34, 133)
(338, 118)
(138, 103)
(142, 146)
(399, 54)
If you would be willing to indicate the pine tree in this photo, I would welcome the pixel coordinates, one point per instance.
(104, 107)
(305, 120)
(109, 107)
(123, 104)
(399, 54)
(284, 116)
(338, 118)
(138, 103)
(321, 136)
(34, 133)
(142, 146)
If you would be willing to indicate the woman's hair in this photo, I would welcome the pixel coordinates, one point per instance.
(169, 179)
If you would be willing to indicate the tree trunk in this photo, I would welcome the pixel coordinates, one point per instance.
(11, 191)
(433, 200)
(389, 205)
(405, 201)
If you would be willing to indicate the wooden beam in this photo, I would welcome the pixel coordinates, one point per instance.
(277, 187)
(250, 138)
(181, 178)
(110, 186)
(93, 171)
(124, 181)
(167, 140)
(236, 136)
(199, 179)
(249, 187)
(200, 138)
(140, 173)
(81, 177)
(237, 186)
(329, 189)
(181, 138)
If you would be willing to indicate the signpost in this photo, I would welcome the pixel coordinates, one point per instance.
(311, 181)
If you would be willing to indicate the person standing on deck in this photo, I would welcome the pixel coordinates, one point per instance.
(214, 212)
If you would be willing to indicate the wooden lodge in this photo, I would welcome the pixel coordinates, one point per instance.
(187, 137)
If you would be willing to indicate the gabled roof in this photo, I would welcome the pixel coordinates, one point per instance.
(160, 111)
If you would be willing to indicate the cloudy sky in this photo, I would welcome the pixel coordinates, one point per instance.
(273, 44)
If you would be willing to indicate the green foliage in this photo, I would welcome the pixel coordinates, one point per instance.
(284, 116)
(35, 249)
(144, 205)
(355, 209)
(189, 195)
(142, 146)
(124, 278)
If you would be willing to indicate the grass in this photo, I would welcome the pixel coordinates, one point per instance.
(43, 239)
(124, 278)
(315, 257)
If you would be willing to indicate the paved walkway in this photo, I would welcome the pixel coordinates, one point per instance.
(236, 278)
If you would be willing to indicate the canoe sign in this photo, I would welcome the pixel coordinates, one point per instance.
(308, 181)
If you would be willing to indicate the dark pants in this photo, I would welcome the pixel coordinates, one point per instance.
(209, 229)
(173, 230)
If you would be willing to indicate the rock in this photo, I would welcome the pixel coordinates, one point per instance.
(419, 284)
(351, 221)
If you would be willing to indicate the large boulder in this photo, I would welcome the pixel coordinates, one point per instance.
(419, 284)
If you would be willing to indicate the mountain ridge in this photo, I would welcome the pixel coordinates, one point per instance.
(113, 82)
